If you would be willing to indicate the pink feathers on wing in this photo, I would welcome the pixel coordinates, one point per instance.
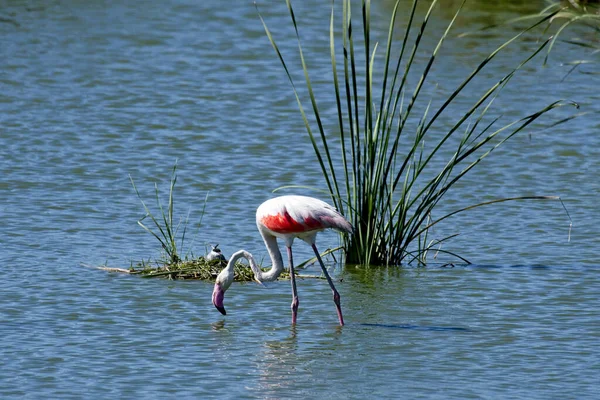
(298, 214)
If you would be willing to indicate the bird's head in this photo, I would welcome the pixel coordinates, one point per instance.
(222, 283)
(225, 278)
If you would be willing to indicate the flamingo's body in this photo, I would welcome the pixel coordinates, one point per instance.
(287, 218)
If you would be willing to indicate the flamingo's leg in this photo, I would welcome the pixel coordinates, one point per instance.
(336, 295)
(295, 301)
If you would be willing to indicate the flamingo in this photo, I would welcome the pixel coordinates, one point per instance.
(286, 218)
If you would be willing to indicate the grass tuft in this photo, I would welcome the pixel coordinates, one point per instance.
(170, 233)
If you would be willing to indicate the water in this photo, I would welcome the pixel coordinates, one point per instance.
(92, 94)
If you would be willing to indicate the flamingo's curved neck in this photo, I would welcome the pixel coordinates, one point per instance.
(275, 254)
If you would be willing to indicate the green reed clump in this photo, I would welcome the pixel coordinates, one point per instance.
(386, 133)
(164, 227)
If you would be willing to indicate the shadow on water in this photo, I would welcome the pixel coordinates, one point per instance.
(220, 325)
(516, 266)
(418, 327)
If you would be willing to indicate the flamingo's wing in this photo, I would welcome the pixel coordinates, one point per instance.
(297, 214)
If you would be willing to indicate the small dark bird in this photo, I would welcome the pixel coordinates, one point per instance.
(215, 254)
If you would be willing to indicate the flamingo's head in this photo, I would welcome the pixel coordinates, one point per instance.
(222, 283)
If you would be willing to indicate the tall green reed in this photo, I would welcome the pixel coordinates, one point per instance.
(382, 180)
(164, 227)
(574, 13)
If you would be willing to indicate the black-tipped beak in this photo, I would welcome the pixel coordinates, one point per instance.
(221, 310)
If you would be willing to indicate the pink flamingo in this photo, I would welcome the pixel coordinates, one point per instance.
(287, 218)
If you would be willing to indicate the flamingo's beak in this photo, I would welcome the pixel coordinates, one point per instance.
(217, 298)
(259, 282)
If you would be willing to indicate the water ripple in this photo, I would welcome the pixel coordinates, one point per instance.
(93, 93)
